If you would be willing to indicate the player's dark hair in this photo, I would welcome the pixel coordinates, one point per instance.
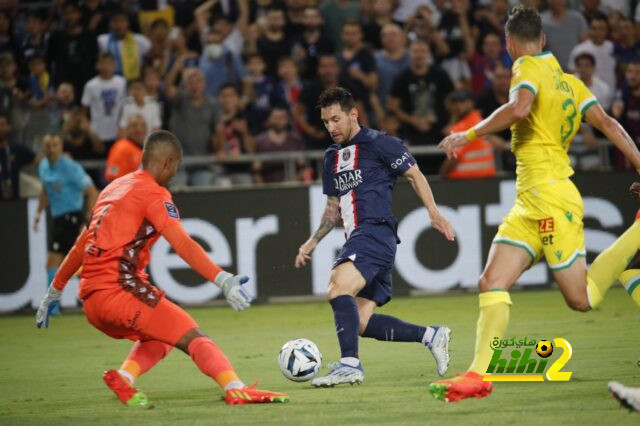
(524, 23)
(338, 96)
(157, 141)
(586, 56)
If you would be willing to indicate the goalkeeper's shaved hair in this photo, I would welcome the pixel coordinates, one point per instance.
(160, 144)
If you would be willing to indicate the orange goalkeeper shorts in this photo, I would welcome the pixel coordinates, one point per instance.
(118, 314)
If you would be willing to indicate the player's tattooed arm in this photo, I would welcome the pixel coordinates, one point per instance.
(330, 218)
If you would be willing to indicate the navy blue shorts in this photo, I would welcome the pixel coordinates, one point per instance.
(372, 249)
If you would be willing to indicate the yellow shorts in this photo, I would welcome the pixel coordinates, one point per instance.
(547, 219)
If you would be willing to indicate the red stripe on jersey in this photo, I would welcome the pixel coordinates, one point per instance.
(335, 164)
(355, 155)
(353, 203)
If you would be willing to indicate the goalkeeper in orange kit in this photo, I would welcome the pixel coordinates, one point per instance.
(128, 218)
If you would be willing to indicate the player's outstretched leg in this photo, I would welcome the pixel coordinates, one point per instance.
(143, 356)
(211, 361)
(629, 397)
(630, 279)
(346, 280)
(390, 329)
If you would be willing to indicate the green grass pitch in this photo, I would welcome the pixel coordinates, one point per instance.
(54, 376)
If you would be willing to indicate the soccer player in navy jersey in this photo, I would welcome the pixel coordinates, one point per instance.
(360, 171)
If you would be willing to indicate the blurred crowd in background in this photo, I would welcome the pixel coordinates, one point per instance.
(234, 77)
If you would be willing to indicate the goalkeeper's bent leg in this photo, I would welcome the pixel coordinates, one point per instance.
(143, 357)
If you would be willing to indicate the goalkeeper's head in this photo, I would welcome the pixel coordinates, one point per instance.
(161, 156)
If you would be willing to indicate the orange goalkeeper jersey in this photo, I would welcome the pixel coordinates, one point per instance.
(128, 218)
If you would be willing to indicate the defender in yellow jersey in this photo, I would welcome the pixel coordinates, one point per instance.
(544, 111)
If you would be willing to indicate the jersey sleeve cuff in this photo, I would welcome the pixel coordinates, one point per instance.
(586, 104)
(524, 84)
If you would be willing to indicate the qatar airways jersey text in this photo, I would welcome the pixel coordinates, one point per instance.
(362, 173)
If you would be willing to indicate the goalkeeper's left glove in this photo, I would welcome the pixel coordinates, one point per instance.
(49, 301)
(233, 291)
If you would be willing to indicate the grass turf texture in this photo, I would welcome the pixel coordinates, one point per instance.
(54, 376)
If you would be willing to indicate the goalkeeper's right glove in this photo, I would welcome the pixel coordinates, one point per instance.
(233, 291)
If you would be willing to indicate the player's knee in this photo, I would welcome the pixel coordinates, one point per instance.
(187, 338)
(485, 283)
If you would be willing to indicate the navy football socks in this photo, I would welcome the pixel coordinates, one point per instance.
(390, 329)
(347, 319)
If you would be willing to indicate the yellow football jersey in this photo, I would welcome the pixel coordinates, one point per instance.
(540, 141)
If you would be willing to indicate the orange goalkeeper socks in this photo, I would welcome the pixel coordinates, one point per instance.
(211, 361)
(143, 356)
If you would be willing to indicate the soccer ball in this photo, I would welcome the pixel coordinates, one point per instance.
(299, 360)
(544, 348)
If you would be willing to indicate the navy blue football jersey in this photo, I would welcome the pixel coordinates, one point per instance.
(362, 173)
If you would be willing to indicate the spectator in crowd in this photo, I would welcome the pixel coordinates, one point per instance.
(138, 103)
(102, 96)
(475, 159)
(39, 81)
(306, 114)
(233, 138)
(261, 93)
(127, 48)
(37, 118)
(357, 66)
(72, 51)
(585, 66)
(627, 109)
(180, 49)
(82, 144)
(491, 19)
(600, 48)
(95, 16)
(381, 16)
(311, 43)
(336, 14)
(35, 41)
(62, 105)
(627, 49)
(295, 15)
(194, 117)
(230, 35)
(391, 60)
(564, 28)
(219, 64)
(158, 55)
(483, 63)
(273, 43)
(287, 90)
(70, 195)
(421, 26)
(277, 138)
(592, 9)
(13, 157)
(11, 90)
(455, 28)
(406, 8)
(488, 101)
(7, 41)
(125, 155)
(417, 99)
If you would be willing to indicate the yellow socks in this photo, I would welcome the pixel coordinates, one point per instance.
(492, 323)
(630, 279)
(608, 266)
